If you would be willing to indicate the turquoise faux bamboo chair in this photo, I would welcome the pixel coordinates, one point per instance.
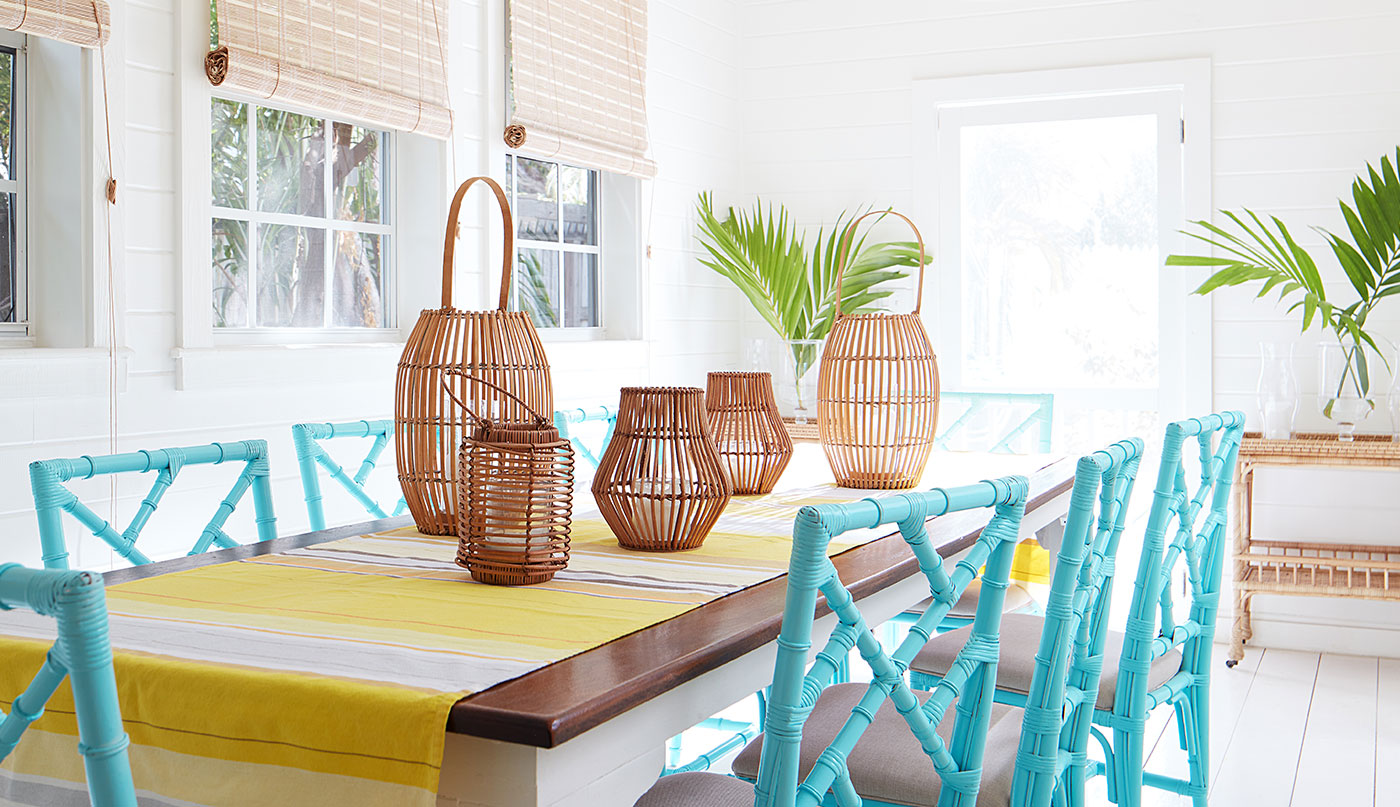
(310, 454)
(1165, 662)
(791, 772)
(83, 654)
(52, 499)
(565, 418)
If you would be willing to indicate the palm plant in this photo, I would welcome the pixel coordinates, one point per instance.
(792, 288)
(1371, 261)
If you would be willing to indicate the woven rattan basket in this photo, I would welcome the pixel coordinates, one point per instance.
(515, 501)
(877, 391)
(491, 350)
(748, 430)
(661, 484)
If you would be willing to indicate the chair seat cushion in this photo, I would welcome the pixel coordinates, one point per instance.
(698, 789)
(1017, 597)
(888, 764)
(1020, 638)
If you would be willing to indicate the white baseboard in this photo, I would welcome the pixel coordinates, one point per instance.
(1351, 627)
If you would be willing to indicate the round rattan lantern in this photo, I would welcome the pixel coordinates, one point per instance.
(661, 484)
(489, 351)
(877, 392)
(748, 430)
(515, 499)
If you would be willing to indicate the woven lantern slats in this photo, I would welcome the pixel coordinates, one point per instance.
(661, 484)
(877, 393)
(747, 429)
(479, 353)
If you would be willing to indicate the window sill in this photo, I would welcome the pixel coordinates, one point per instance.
(46, 372)
(282, 366)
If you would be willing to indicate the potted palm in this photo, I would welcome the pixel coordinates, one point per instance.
(792, 287)
(1251, 249)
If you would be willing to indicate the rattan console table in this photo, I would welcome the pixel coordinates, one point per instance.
(1306, 568)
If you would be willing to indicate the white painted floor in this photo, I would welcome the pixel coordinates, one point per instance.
(1287, 729)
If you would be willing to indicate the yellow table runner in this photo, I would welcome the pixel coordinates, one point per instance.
(324, 675)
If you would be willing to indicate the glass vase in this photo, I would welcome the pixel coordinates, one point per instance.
(1344, 391)
(794, 367)
(1278, 390)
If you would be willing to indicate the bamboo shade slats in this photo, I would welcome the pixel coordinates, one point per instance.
(748, 430)
(87, 23)
(877, 391)
(661, 484)
(380, 62)
(478, 353)
(578, 83)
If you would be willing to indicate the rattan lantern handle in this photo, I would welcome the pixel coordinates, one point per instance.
(447, 388)
(450, 242)
(845, 258)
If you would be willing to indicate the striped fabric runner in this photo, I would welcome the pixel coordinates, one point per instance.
(324, 675)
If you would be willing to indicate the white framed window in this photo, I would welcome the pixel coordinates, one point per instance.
(14, 294)
(301, 221)
(558, 243)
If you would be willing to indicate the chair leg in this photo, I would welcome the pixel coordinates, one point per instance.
(1127, 761)
(1110, 777)
(1197, 706)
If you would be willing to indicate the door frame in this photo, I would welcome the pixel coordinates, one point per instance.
(940, 104)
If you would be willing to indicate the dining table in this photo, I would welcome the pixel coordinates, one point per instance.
(640, 647)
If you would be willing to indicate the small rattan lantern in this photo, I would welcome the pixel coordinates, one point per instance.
(493, 350)
(661, 484)
(748, 430)
(877, 392)
(515, 499)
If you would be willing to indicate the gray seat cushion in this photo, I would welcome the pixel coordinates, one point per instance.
(1020, 637)
(698, 790)
(1017, 597)
(887, 763)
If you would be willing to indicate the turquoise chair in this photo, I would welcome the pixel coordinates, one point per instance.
(1000, 417)
(1165, 662)
(83, 654)
(791, 772)
(52, 499)
(565, 418)
(310, 454)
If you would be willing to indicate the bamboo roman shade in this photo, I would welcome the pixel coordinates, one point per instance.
(87, 23)
(578, 82)
(376, 61)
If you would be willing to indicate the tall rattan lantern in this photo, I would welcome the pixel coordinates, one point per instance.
(748, 430)
(486, 351)
(877, 392)
(661, 484)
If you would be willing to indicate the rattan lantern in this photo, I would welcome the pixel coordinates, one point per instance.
(877, 392)
(748, 430)
(661, 484)
(515, 501)
(492, 350)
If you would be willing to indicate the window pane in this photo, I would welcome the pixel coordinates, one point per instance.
(577, 187)
(507, 184)
(357, 173)
(291, 163)
(537, 199)
(291, 276)
(7, 115)
(228, 142)
(1059, 254)
(230, 258)
(358, 300)
(537, 286)
(580, 290)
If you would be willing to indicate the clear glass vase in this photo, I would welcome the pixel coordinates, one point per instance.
(794, 367)
(1278, 390)
(1344, 390)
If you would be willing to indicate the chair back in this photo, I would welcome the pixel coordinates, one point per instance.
(310, 454)
(52, 499)
(999, 422)
(1184, 528)
(1059, 707)
(83, 654)
(565, 418)
(971, 681)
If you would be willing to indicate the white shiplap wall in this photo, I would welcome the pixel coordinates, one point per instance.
(54, 404)
(1304, 94)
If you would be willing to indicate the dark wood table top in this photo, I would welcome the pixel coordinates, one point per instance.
(555, 703)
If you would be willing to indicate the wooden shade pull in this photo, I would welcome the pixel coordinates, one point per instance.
(846, 258)
(449, 245)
